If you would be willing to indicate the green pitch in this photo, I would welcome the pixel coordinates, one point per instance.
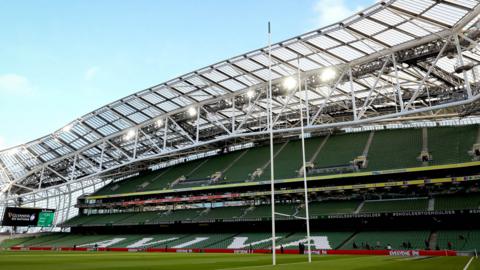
(178, 261)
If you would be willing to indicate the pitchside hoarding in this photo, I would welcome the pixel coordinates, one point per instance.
(29, 217)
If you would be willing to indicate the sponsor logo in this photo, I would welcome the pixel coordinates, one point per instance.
(21, 217)
(184, 251)
(405, 253)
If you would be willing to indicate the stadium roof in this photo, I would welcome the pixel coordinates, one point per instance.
(393, 59)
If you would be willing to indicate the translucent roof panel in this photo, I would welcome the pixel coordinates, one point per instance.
(378, 30)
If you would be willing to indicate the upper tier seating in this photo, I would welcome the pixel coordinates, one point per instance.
(451, 144)
(389, 149)
(341, 150)
(394, 149)
(253, 159)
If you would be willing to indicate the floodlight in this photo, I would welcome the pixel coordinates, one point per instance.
(328, 75)
(192, 111)
(130, 134)
(159, 123)
(289, 83)
(250, 93)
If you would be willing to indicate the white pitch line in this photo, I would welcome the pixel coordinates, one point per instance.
(468, 264)
(260, 266)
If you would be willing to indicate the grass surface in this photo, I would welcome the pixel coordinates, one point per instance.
(177, 261)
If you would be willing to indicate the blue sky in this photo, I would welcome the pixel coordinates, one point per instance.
(62, 59)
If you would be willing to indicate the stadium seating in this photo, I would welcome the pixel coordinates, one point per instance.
(393, 149)
(285, 211)
(223, 213)
(451, 144)
(320, 240)
(289, 160)
(41, 239)
(341, 149)
(330, 208)
(380, 239)
(184, 215)
(199, 240)
(138, 218)
(216, 164)
(15, 241)
(264, 211)
(457, 202)
(167, 176)
(257, 240)
(446, 145)
(395, 205)
(254, 158)
(467, 240)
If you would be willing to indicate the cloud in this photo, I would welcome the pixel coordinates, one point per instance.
(15, 84)
(333, 11)
(91, 73)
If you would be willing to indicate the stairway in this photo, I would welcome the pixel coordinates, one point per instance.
(312, 159)
(431, 204)
(368, 144)
(347, 241)
(424, 145)
(432, 241)
(359, 208)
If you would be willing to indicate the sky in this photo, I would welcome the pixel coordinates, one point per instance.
(60, 60)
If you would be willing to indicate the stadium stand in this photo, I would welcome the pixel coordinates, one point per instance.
(380, 240)
(185, 164)
(395, 205)
(413, 239)
(223, 213)
(339, 150)
(392, 149)
(457, 202)
(459, 239)
(449, 145)
(330, 207)
(243, 169)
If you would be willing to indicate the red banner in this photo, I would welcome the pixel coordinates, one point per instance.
(406, 253)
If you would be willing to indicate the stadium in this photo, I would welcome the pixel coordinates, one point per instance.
(354, 146)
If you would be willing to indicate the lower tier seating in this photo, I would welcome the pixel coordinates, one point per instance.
(468, 240)
(464, 240)
(320, 240)
(380, 240)
(395, 205)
